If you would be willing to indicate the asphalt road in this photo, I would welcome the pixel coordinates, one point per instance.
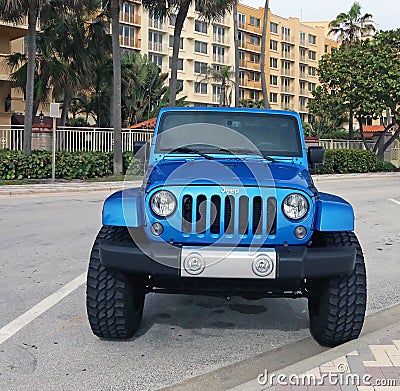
(44, 244)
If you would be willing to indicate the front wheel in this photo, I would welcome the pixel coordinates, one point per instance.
(114, 299)
(337, 305)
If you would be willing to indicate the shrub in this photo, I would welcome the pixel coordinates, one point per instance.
(69, 165)
(343, 161)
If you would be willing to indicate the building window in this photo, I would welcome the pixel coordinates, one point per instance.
(241, 93)
(255, 40)
(218, 54)
(273, 62)
(255, 58)
(302, 38)
(285, 32)
(254, 21)
(219, 34)
(179, 85)
(273, 45)
(303, 53)
(200, 47)
(254, 95)
(302, 69)
(312, 71)
(326, 49)
(285, 101)
(180, 63)
(197, 6)
(273, 80)
(200, 67)
(127, 36)
(312, 55)
(273, 97)
(155, 41)
(254, 76)
(171, 42)
(274, 28)
(312, 87)
(172, 19)
(241, 20)
(200, 26)
(157, 59)
(127, 14)
(312, 39)
(200, 88)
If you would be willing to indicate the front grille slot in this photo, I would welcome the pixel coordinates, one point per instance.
(229, 215)
(201, 216)
(216, 215)
(243, 215)
(257, 215)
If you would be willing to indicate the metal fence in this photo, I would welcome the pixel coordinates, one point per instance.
(11, 137)
(74, 139)
(343, 144)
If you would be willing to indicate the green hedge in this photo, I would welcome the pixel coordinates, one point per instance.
(343, 161)
(69, 165)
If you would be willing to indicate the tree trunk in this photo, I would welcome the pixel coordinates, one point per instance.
(360, 122)
(30, 79)
(351, 125)
(116, 102)
(262, 57)
(222, 98)
(237, 65)
(65, 107)
(180, 19)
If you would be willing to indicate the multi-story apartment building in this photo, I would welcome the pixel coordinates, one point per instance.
(293, 51)
(10, 98)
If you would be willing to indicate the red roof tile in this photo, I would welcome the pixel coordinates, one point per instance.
(373, 128)
(151, 123)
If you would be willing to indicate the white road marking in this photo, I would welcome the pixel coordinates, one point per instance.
(395, 201)
(17, 324)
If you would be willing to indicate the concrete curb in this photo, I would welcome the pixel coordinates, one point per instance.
(73, 187)
(59, 188)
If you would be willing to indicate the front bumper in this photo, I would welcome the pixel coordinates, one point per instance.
(161, 260)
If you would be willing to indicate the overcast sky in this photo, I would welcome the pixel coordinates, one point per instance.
(385, 12)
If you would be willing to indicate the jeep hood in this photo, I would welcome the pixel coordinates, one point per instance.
(229, 172)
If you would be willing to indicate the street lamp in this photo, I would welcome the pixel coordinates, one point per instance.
(41, 117)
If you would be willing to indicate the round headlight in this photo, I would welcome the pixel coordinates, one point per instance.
(295, 206)
(163, 203)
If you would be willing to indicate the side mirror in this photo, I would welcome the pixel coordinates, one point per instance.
(315, 155)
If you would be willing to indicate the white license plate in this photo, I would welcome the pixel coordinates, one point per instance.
(228, 262)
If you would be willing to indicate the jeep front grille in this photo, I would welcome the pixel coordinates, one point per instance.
(228, 215)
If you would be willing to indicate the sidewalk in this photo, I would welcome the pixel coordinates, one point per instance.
(66, 187)
(69, 187)
(370, 363)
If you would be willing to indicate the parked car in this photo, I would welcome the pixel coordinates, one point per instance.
(228, 207)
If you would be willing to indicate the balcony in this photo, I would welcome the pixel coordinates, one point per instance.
(287, 89)
(287, 38)
(287, 72)
(129, 42)
(216, 98)
(155, 46)
(129, 18)
(4, 70)
(303, 58)
(249, 65)
(253, 84)
(249, 27)
(249, 46)
(156, 24)
(218, 38)
(303, 92)
(303, 107)
(287, 55)
(303, 75)
(218, 58)
(303, 42)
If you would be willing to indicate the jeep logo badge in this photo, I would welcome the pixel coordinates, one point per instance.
(230, 190)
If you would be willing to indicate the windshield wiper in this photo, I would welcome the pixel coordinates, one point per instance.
(233, 151)
(187, 150)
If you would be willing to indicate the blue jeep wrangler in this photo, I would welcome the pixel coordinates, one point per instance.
(228, 207)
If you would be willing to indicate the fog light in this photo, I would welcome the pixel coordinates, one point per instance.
(300, 232)
(194, 264)
(157, 229)
(263, 265)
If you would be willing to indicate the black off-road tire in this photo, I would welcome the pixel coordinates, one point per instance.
(337, 305)
(114, 300)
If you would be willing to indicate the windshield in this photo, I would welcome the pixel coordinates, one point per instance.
(229, 132)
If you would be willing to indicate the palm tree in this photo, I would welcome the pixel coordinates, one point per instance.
(14, 11)
(117, 79)
(262, 56)
(350, 26)
(225, 77)
(236, 40)
(208, 9)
